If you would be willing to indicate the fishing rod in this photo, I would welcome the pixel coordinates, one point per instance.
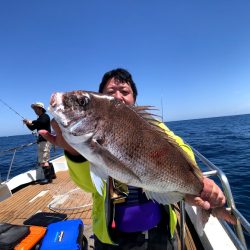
(33, 133)
(11, 108)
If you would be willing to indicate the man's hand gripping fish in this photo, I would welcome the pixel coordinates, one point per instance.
(126, 143)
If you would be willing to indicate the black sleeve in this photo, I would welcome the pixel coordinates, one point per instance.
(31, 127)
(42, 122)
(75, 158)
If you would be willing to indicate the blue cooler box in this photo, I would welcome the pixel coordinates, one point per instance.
(62, 235)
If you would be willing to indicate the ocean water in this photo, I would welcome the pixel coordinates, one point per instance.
(225, 141)
(24, 158)
(222, 140)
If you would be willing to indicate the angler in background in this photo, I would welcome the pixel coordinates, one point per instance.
(123, 218)
(42, 122)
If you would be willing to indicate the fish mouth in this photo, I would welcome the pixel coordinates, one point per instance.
(62, 116)
(67, 122)
(56, 103)
(57, 110)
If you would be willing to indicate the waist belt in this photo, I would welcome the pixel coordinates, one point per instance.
(137, 217)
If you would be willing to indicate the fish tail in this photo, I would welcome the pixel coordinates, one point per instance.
(224, 214)
(219, 212)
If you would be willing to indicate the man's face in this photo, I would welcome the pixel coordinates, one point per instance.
(120, 90)
(38, 110)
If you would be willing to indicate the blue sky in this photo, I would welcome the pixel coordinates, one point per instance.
(189, 58)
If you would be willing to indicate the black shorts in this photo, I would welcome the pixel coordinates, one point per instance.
(156, 238)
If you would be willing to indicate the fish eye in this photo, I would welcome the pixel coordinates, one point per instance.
(83, 101)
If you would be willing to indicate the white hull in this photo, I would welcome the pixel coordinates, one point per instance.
(213, 236)
(33, 175)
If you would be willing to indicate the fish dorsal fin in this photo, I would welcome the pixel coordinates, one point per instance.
(145, 113)
(154, 126)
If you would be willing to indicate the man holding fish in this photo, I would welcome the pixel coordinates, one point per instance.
(133, 165)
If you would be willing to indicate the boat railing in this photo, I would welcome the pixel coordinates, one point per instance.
(236, 234)
(13, 151)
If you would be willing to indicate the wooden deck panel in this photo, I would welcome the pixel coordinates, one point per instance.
(20, 206)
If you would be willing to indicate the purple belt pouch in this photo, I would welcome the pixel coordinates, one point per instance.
(137, 218)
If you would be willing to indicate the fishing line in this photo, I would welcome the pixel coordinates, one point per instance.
(10, 108)
(33, 132)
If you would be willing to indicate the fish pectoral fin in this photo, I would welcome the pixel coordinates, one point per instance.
(99, 172)
(98, 178)
(110, 160)
(165, 198)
